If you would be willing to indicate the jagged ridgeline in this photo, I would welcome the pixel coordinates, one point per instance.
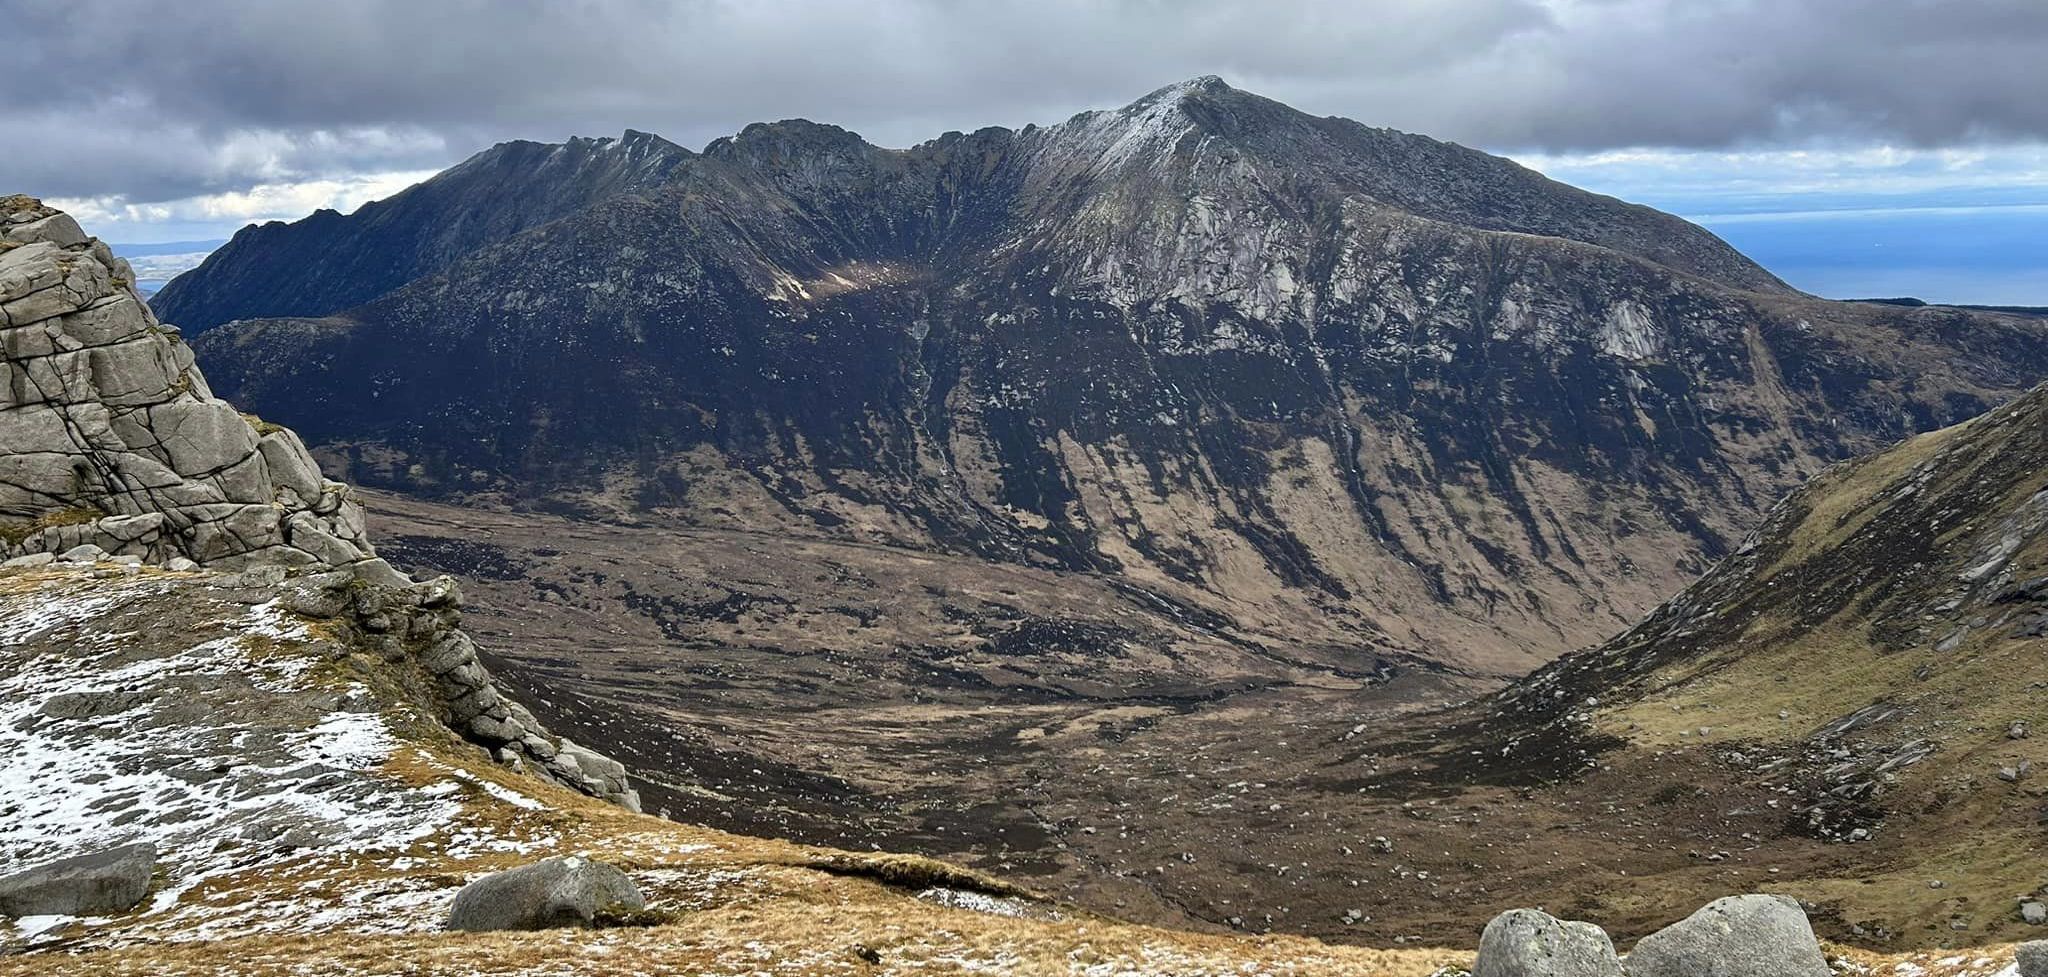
(1405, 392)
(114, 450)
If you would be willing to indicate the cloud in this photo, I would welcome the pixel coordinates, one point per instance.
(265, 201)
(213, 98)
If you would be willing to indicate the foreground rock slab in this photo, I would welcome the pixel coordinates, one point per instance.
(548, 894)
(1739, 936)
(96, 884)
(1528, 943)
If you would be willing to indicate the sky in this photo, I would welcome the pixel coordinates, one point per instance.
(1857, 147)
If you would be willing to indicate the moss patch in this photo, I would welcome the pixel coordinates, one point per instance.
(14, 531)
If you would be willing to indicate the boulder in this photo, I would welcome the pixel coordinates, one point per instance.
(1528, 943)
(95, 884)
(1740, 936)
(2033, 959)
(551, 893)
(83, 553)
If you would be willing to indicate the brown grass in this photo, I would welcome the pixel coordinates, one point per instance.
(798, 910)
(14, 531)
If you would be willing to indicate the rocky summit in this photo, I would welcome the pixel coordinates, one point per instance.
(1360, 388)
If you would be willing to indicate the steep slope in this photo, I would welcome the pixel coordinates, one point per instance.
(328, 262)
(1847, 709)
(1885, 632)
(1285, 368)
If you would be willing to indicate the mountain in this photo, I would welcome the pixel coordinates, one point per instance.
(342, 261)
(259, 748)
(1383, 391)
(233, 739)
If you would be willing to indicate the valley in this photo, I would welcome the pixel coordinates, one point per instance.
(854, 696)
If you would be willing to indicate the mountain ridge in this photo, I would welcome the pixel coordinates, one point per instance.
(1211, 99)
(1256, 385)
(388, 247)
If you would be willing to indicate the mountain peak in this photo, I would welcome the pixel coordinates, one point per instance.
(794, 131)
(1146, 129)
(1191, 88)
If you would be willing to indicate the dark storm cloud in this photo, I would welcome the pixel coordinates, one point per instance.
(157, 102)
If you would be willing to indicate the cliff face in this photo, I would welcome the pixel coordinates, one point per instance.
(113, 450)
(1289, 368)
(110, 436)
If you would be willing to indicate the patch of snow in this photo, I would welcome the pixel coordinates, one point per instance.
(31, 615)
(30, 927)
(982, 902)
(499, 791)
(99, 747)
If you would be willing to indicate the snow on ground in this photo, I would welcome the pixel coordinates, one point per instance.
(982, 902)
(1931, 964)
(219, 750)
(499, 791)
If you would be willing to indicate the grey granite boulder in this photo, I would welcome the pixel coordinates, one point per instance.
(97, 884)
(1740, 936)
(1528, 943)
(552, 893)
(2033, 959)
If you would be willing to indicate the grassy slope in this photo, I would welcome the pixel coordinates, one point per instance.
(1855, 597)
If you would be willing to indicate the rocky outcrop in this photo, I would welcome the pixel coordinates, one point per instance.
(547, 894)
(112, 447)
(420, 624)
(109, 435)
(94, 884)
